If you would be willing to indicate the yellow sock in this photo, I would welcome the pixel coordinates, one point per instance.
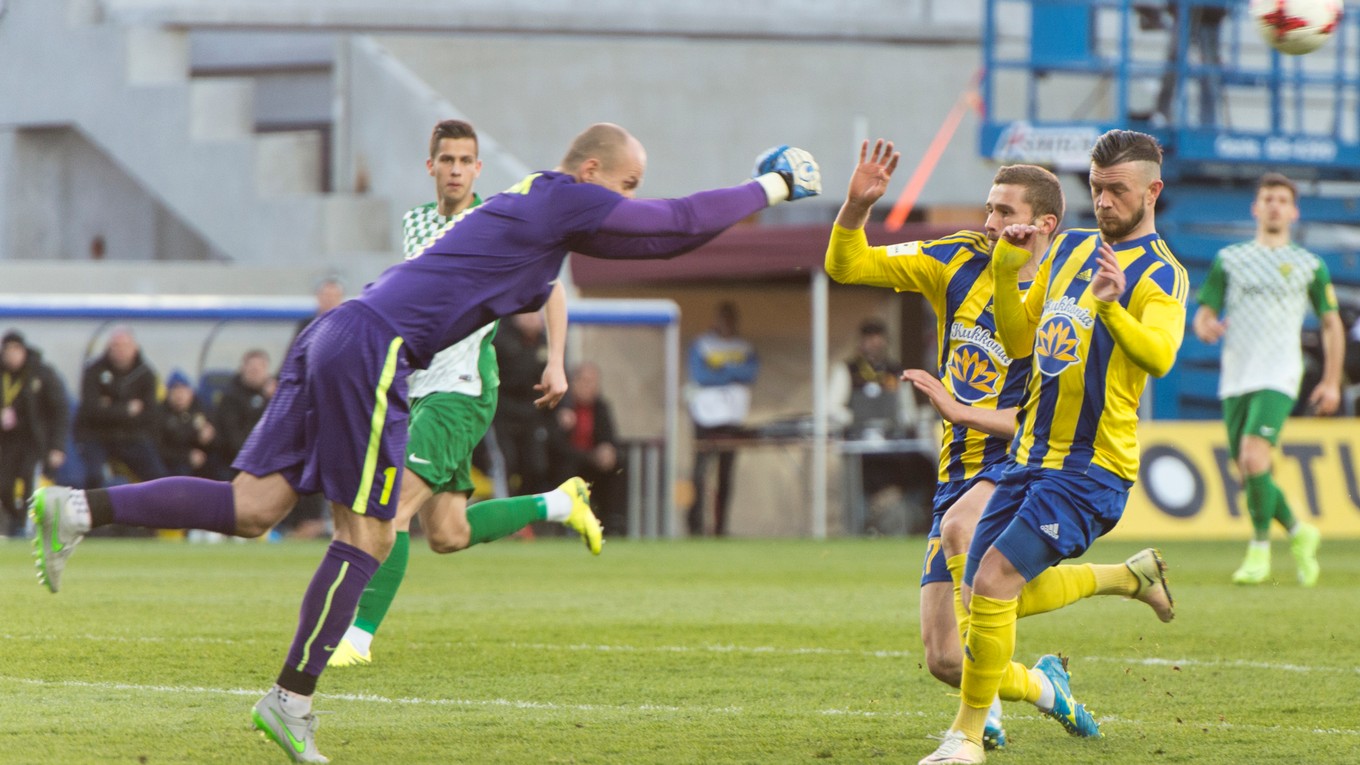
(1114, 579)
(955, 566)
(1057, 587)
(991, 642)
(1020, 683)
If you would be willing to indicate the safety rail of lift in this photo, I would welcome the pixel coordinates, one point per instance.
(1300, 114)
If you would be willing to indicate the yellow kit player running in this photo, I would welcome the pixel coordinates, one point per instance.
(1254, 299)
(954, 276)
(1106, 310)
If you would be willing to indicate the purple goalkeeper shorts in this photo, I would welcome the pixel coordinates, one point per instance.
(337, 423)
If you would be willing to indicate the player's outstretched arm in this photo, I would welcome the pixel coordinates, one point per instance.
(638, 229)
(849, 258)
(1151, 341)
(993, 422)
(868, 183)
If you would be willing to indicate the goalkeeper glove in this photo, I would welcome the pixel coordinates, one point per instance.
(802, 178)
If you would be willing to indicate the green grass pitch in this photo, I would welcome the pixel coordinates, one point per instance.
(686, 652)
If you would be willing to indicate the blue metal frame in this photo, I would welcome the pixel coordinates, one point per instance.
(1199, 149)
(1210, 166)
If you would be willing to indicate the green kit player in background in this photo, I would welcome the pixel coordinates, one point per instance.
(452, 403)
(1255, 299)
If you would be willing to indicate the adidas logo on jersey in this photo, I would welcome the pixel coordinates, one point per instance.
(1084, 275)
(1050, 529)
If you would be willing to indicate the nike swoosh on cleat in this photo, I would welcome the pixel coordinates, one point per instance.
(53, 542)
(298, 746)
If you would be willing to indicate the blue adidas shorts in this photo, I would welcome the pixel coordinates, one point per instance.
(933, 568)
(1040, 516)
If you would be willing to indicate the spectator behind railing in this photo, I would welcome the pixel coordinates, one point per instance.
(330, 292)
(522, 429)
(186, 436)
(585, 444)
(117, 417)
(243, 403)
(722, 369)
(866, 397)
(33, 423)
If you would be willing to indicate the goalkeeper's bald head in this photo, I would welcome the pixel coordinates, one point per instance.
(607, 155)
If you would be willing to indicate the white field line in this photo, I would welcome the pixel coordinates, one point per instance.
(1151, 661)
(373, 698)
(626, 709)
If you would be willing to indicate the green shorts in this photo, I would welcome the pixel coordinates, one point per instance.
(1259, 413)
(445, 427)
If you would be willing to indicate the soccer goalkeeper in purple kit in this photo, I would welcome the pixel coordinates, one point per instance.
(338, 421)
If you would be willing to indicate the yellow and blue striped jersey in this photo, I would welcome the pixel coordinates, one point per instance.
(1091, 359)
(953, 275)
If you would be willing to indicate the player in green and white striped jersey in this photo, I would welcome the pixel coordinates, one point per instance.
(452, 403)
(1255, 299)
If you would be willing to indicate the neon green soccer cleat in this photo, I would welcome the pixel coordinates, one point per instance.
(346, 655)
(60, 519)
(1255, 569)
(582, 518)
(295, 735)
(1304, 545)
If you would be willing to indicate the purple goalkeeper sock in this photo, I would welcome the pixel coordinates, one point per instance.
(327, 610)
(176, 503)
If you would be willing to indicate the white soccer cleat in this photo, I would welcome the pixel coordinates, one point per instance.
(1150, 571)
(61, 519)
(295, 735)
(956, 749)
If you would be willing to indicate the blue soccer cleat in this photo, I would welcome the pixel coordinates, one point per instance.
(993, 735)
(1071, 715)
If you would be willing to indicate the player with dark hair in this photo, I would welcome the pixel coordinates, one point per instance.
(338, 423)
(452, 403)
(1106, 309)
(1254, 300)
(977, 376)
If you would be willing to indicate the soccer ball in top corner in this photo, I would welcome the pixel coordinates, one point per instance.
(1296, 27)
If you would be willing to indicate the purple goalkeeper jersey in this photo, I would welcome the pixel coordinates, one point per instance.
(503, 255)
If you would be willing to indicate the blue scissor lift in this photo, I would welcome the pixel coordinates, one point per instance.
(1058, 73)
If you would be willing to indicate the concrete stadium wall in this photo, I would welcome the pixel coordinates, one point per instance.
(705, 108)
(63, 193)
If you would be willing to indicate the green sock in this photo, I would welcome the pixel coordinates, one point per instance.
(1262, 497)
(382, 589)
(1282, 513)
(496, 518)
